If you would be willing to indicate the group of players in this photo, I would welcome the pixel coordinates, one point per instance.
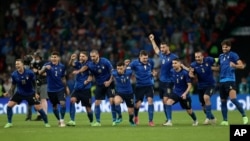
(115, 84)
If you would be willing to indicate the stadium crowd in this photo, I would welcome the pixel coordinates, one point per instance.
(117, 28)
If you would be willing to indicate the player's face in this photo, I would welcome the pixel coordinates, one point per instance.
(120, 69)
(164, 48)
(144, 59)
(54, 59)
(83, 57)
(198, 57)
(225, 48)
(94, 57)
(19, 65)
(176, 64)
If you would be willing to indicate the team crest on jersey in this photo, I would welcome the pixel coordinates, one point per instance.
(181, 77)
(206, 64)
(103, 67)
(163, 61)
(99, 70)
(27, 77)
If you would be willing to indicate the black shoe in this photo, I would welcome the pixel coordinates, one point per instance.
(28, 119)
(38, 118)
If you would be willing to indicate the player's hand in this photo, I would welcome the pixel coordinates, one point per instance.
(151, 37)
(6, 94)
(48, 67)
(37, 96)
(183, 96)
(73, 56)
(75, 72)
(107, 83)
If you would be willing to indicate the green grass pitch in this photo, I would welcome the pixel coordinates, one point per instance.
(182, 130)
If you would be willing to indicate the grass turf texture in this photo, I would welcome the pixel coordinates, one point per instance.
(182, 128)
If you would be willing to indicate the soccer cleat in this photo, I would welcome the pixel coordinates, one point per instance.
(151, 123)
(114, 123)
(169, 123)
(136, 120)
(71, 123)
(206, 122)
(213, 121)
(47, 125)
(132, 123)
(8, 125)
(195, 123)
(38, 118)
(96, 124)
(245, 120)
(119, 120)
(28, 119)
(224, 123)
(62, 124)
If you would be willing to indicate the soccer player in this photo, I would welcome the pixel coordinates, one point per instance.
(202, 68)
(165, 77)
(229, 61)
(182, 86)
(41, 83)
(124, 91)
(101, 68)
(81, 92)
(143, 70)
(56, 85)
(24, 81)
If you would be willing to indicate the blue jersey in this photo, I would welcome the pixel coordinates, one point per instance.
(143, 72)
(54, 77)
(166, 66)
(181, 79)
(227, 73)
(122, 81)
(24, 82)
(101, 70)
(81, 77)
(204, 72)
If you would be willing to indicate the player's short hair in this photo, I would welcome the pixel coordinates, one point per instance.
(84, 52)
(226, 42)
(143, 53)
(120, 63)
(55, 53)
(165, 43)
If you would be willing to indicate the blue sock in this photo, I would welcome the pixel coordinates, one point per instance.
(193, 116)
(9, 114)
(72, 111)
(56, 113)
(169, 112)
(165, 111)
(208, 111)
(150, 112)
(113, 111)
(98, 113)
(90, 116)
(118, 110)
(224, 110)
(136, 111)
(62, 111)
(239, 107)
(43, 115)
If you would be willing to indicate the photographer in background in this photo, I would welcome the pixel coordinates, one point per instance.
(36, 65)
